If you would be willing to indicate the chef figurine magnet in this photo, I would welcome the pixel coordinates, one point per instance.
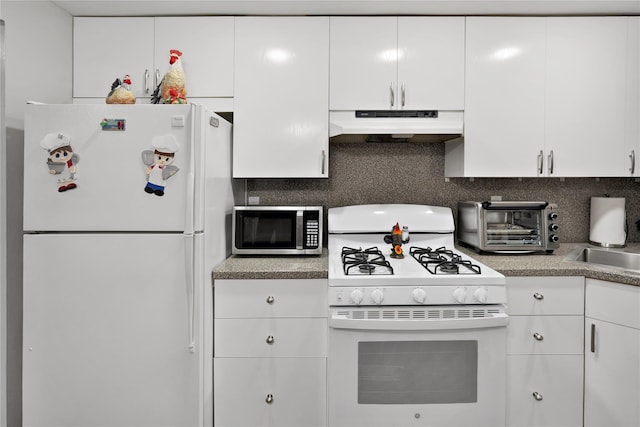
(61, 160)
(159, 163)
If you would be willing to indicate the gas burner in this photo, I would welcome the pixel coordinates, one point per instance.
(443, 261)
(368, 261)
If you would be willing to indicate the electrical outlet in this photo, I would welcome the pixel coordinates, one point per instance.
(254, 200)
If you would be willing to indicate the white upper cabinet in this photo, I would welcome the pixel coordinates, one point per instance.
(504, 99)
(281, 118)
(548, 97)
(108, 48)
(586, 96)
(397, 63)
(633, 98)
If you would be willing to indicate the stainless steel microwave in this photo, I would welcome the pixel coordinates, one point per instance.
(277, 230)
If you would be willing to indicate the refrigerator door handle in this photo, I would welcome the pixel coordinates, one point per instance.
(189, 227)
(189, 266)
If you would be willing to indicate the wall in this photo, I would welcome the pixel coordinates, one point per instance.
(38, 67)
(414, 173)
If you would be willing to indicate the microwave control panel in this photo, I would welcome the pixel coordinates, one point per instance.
(311, 230)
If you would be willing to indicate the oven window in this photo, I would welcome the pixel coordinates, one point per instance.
(417, 372)
(514, 227)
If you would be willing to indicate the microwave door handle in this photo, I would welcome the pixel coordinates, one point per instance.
(299, 223)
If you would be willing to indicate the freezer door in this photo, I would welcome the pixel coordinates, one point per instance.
(87, 167)
(107, 331)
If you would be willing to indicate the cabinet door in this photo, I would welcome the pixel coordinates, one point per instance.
(296, 387)
(504, 96)
(364, 57)
(586, 95)
(206, 44)
(556, 379)
(281, 126)
(612, 374)
(633, 98)
(431, 63)
(105, 49)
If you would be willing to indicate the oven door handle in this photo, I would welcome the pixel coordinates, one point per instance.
(496, 321)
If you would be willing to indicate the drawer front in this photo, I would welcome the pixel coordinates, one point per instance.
(545, 295)
(270, 337)
(297, 388)
(558, 382)
(270, 298)
(602, 296)
(545, 335)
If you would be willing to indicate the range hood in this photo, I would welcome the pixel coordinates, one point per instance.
(402, 123)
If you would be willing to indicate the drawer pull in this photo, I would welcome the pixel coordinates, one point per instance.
(538, 296)
(269, 399)
(538, 337)
(270, 299)
(537, 396)
(593, 338)
(270, 339)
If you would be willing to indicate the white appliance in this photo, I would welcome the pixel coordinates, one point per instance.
(117, 287)
(417, 331)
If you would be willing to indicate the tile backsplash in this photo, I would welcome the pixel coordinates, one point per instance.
(362, 173)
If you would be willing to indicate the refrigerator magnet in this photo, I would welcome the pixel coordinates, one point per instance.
(61, 160)
(113, 124)
(159, 163)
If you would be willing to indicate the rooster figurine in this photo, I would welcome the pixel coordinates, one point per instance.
(396, 239)
(121, 92)
(171, 89)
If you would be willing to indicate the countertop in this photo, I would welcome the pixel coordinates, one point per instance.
(273, 267)
(315, 267)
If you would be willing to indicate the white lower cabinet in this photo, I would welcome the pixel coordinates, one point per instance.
(270, 354)
(545, 351)
(612, 355)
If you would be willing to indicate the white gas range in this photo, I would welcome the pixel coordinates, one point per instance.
(417, 330)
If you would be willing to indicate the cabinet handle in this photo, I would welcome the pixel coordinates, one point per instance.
(270, 299)
(146, 81)
(270, 339)
(537, 396)
(157, 81)
(402, 94)
(593, 338)
(391, 94)
(324, 160)
(538, 296)
(550, 161)
(538, 337)
(269, 399)
(540, 161)
(632, 156)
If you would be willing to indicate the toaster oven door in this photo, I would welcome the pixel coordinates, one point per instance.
(514, 228)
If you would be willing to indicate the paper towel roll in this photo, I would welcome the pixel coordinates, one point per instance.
(608, 222)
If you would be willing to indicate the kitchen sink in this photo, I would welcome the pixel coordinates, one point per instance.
(609, 257)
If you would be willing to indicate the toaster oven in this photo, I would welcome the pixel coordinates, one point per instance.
(503, 226)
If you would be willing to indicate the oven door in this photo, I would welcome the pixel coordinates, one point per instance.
(417, 372)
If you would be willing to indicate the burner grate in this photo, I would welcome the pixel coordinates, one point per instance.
(443, 261)
(368, 261)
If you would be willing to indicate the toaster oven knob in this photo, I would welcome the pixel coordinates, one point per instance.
(481, 294)
(460, 294)
(356, 296)
(419, 295)
(377, 296)
(553, 215)
(553, 227)
(554, 238)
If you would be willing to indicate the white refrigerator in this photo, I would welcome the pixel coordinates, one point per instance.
(126, 212)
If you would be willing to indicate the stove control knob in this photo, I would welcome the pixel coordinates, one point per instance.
(419, 295)
(481, 294)
(356, 296)
(377, 296)
(460, 295)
